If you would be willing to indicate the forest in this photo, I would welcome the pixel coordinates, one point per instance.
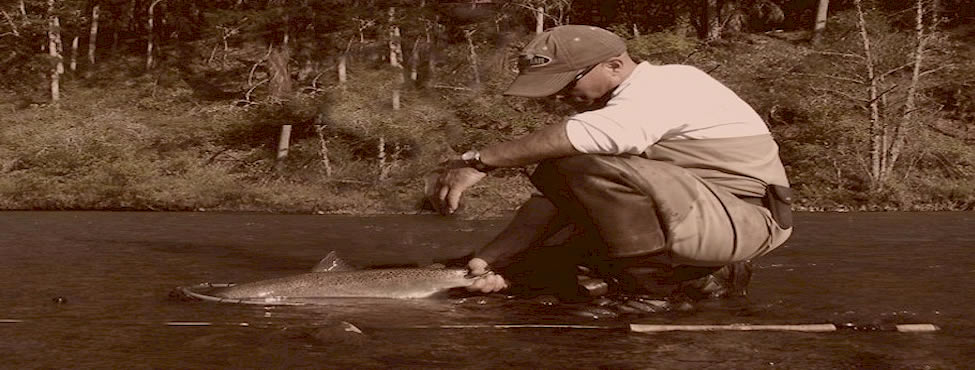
(342, 106)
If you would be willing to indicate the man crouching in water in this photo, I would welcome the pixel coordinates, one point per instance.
(665, 180)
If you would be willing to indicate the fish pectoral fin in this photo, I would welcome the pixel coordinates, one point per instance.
(332, 263)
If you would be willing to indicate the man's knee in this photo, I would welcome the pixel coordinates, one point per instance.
(576, 164)
(572, 171)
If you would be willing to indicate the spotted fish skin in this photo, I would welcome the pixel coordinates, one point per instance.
(398, 283)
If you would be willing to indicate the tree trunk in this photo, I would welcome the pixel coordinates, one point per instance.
(415, 60)
(343, 64)
(149, 35)
(280, 80)
(74, 54)
(431, 56)
(383, 168)
(343, 77)
(712, 20)
(395, 48)
(469, 34)
(820, 25)
(280, 88)
(539, 20)
(93, 34)
(54, 50)
(395, 57)
(323, 150)
(877, 149)
(682, 24)
(284, 145)
(899, 134)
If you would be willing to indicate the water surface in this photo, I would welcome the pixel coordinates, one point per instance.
(114, 272)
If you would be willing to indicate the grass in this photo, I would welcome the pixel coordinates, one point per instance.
(125, 141)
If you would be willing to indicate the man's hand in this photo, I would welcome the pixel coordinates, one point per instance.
(444, 187)
(487, 281)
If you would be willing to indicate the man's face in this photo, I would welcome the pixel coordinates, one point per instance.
(587, 90)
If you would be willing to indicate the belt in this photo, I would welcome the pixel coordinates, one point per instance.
(753, 200)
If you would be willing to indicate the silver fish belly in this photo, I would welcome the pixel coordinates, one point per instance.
(400, 283)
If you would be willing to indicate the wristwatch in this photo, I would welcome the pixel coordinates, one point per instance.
(472, 158)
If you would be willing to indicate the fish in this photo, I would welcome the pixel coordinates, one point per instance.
(333, 278)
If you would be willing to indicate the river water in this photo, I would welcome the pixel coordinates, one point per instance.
(91, 290)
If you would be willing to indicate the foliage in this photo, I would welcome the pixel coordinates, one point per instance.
(198, 130)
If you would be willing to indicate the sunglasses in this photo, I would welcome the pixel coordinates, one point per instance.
(565, 90)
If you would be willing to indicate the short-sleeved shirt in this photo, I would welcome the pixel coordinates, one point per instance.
(681, 115)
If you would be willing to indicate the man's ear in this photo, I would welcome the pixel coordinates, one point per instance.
(615, 64)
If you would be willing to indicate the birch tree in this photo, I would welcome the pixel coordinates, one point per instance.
(281, 87)
(886, 80)
(395, 56)
(822, 10)
(149, 34)
(54, 50)
(93, 34)
(555, 11)
(472, 55)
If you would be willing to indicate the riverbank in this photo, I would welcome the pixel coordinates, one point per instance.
(151, 142)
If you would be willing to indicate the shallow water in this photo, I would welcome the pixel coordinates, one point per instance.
(115, 271)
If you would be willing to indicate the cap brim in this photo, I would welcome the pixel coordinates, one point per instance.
(540, 85)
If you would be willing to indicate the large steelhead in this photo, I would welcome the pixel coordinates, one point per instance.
(378, 283)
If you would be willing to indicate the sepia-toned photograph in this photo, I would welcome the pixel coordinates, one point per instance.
(603, 184)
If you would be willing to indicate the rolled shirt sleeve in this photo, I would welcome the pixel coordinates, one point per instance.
(595, 133)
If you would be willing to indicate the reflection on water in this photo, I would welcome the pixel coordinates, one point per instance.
(90, 289)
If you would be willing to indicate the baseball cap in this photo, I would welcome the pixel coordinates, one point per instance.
(555, 57)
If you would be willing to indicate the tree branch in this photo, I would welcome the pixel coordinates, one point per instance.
(888, 73)
(250, 77)
(839, 78)
(840, 93)
(11, 21)
(933, 70)
(847, 55)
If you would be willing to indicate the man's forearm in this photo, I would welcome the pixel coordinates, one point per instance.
(535, 221)
(548, 142)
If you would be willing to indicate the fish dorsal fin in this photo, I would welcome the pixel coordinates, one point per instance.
(332, 263)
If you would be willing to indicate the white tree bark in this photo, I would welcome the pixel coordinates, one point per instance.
(284, 143)
(281, 89)
(93, 34)
(899, 133)
(343, 77)
(395, 48)
(54, 50)
(877, 148)
(74, 54)
(149, 44)
(323, 150)
(469, 34)
(383, 168)
(395, 57)
(539, 20)
(820, 26)
(415, 60)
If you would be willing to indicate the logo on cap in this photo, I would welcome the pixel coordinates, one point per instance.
(532, 60)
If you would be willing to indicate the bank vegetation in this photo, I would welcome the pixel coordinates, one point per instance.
(331, 106)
